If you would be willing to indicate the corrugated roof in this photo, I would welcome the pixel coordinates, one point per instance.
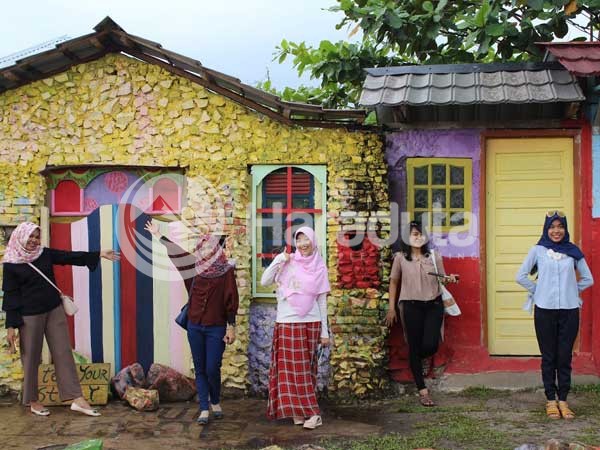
(109, 37)
(11, 59)
(470, 84)
(580, 58)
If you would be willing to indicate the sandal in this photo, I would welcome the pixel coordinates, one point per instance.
(552, 410)
(426, 400)
(565, 411)
(40, 412)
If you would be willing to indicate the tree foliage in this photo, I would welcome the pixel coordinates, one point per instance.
(433, 32)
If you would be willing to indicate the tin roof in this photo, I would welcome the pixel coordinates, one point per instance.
(11, 59)
(469, 84)
(580, 58)
(109, 37)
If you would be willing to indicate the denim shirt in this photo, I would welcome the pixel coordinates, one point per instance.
(557, 286)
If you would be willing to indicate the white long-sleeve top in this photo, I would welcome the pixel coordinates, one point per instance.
(285, 312)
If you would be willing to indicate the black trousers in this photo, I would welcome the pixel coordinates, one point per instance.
(423, 322)
(556, 330)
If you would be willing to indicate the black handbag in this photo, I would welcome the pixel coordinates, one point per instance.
(182, 317)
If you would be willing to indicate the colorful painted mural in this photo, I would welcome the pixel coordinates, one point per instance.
(118, 113)
(466, 345)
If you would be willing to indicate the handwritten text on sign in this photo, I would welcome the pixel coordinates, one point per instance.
(94, 379)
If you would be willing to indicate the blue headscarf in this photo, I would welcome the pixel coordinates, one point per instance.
(565, 246)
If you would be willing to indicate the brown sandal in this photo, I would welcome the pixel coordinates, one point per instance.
(426, 400)
(565, 411)
(552, 410)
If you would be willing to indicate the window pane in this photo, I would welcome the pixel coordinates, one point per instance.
(457, 218)
(457, 175)
(274, 201)
(438, 174)
(421, 198)
(421, 176)
(271, 232)
(438, 198)
(457, 198)
(301, 201)
(274, 189)
(439, 219)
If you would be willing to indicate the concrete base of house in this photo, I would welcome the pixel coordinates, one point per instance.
(501, 380)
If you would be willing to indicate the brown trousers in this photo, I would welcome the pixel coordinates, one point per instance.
(53, 325)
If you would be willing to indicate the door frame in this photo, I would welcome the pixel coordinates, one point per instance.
(574, 133)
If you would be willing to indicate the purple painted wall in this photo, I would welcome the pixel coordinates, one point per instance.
(463, 143)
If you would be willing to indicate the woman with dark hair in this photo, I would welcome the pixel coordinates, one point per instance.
(213, 303)
(420, 302)
(34, 311)
(555, 295)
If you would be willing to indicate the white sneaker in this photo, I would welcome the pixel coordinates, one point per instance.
(313, 422)
(298, 420)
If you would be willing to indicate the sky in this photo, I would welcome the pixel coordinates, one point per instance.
(237, 37)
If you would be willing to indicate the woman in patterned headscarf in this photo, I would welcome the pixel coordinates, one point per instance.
(555, 294)
(301, 324)
(34, 308)
(213, 304)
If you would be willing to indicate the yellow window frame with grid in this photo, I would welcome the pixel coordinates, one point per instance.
(445, 210)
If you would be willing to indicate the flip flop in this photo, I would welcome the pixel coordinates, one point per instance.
(40, 412)
(87, 412)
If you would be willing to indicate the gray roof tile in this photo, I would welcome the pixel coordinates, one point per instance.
(407, 86)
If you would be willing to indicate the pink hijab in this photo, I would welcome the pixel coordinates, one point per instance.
(15, 252)
(303, 278)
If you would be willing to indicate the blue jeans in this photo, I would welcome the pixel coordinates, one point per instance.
(206, 343)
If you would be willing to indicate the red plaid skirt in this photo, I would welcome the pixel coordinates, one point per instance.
(293, 371)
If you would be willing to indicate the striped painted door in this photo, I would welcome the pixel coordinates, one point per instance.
(126, 309)
(524, 179)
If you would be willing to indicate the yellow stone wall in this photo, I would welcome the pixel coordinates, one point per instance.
(121, 111)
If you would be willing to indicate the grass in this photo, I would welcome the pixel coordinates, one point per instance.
(442, 431)
(586, 388)
(482, 393)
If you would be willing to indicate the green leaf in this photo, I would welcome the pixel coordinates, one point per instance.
(482, 14)
(428, 6)
(536, 4)
(441, 5)
(495, 29)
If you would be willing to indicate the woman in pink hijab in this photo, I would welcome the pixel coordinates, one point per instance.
(301, 324)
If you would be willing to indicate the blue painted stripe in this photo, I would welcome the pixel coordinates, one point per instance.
(117, 289)
(144, 293)
(95, 294)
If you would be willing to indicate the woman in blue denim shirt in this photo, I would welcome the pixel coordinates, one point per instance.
(555, 295)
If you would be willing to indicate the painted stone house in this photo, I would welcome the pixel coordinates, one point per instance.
(103, 132)
(483, 151)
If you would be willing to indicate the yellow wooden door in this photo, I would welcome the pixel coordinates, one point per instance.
(524, 179)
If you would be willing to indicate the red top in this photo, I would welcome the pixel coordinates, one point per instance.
(213, 301)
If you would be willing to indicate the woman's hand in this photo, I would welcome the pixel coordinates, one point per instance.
(229, 335)
(286, 256)
(452, 278)
(325, 342)
(111, 255)
(390, 317)
(152, 228)
(11, 338)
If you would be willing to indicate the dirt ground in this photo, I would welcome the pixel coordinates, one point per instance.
(478, 418)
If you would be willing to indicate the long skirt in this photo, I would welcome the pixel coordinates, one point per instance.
(293, 371)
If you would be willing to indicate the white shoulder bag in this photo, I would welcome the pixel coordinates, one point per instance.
(68, 304)
(450, 306)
